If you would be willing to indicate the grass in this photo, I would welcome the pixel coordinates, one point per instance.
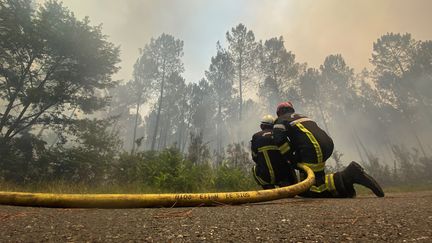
(65, 187)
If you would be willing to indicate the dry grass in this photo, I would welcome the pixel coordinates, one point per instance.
(65, 187)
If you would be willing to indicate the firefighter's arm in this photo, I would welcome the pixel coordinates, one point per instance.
(254, 149)
(281, 139)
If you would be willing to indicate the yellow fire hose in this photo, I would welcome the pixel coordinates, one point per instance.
(154, 200)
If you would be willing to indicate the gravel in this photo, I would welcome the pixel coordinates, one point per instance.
(398, 217)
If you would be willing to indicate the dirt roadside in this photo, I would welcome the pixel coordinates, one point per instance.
(399, 217)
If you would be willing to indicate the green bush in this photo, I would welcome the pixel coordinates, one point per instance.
(90, 166)
(233, 179)
(170, 171)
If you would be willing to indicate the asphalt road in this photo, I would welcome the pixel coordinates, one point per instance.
(398, 217)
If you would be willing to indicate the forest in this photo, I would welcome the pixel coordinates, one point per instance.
(64, 120)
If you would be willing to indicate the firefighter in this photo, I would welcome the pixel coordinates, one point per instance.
(310, 145)
(270, 169)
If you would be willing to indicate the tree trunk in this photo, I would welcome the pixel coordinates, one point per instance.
(218, 130)
(182, 127)
(136, 123)
(165, 131)
(180, 133)
(159, 146)
(158, 112)
(187, 131)
(240, 92)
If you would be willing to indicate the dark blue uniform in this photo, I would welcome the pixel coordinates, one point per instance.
(271, 169)
(311, 146)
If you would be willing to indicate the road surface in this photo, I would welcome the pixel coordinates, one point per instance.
(398, 217)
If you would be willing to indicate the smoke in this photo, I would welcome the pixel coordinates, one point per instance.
(315, 29)
(312, 29)
(131, 24)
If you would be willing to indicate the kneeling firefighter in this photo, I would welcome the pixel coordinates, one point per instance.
(312, 146)
(270, 169)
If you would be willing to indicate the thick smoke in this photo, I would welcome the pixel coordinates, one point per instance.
(312, 29)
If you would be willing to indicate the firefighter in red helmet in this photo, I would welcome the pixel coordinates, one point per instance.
(311, 145)
(270, 169)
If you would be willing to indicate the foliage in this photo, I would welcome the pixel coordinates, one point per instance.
(170, 171)
(233, 179)
(164, 55)
(238, 157)
(393, 53)
(17, 161)
(50, 62)
(243, 50)
(220, 75)
(280, 71)
(84, 160)
(55, 75)
(198, 152)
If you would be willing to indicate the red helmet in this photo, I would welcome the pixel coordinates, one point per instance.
(284, 106)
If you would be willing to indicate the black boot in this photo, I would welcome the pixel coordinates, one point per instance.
(354, 173)
(344, 190)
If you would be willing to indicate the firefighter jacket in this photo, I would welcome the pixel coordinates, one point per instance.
(270, 167)
(308, 143)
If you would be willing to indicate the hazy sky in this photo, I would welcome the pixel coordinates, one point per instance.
(312, 29)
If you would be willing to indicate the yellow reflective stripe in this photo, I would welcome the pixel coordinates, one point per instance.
(313, 140)
(329, 180)
(264, 150)
(315, 167)
(328, 185)
(284, 148)
(319, 189)
(270, 167)
(261, 181)
(269, 147)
